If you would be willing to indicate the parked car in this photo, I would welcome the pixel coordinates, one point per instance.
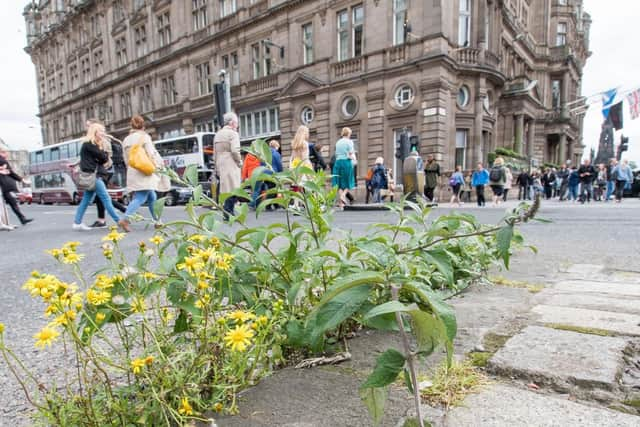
(180, 194)
(25, 196)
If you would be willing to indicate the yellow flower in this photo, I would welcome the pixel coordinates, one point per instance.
(166, 315)
(197, 238)
(218, 407)
(108, 253)
(156, 240)
(138, 305)
(137, 365)
(71, 245)
(185, 407)
(202, 285)
(148, 360)
(207, 254)
(55, 253)
(64, 319)
(103, 282)
(113, 236)
(239, 338)
(1, 328)
(262, 320)
(224, 262)
(240, 316)
(72, 258)
(191, 264)
(215, 242)
(46, 337)
(204, 301)
(295, 163)
(100, 317)
(98, 297)
(149, 275)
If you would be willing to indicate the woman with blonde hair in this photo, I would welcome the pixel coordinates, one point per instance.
(92, 156)
(497, 179)
(300, 156)
(343, 167)
(142, 184)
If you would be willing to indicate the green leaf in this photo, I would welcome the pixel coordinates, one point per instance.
(407, 380)
(158, 207)
(442, 261)
(197, 194)
(503, 239)
(385, 322)
(388, 365)
(430, 332)
(191, 175)
(181, 324)
(374, 399)
(348, 282)
(340, 308)
(389, 307)
(441, 309)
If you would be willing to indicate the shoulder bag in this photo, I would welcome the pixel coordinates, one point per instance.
(139, 159)
(87, 181)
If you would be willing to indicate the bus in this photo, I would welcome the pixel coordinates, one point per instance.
(182, 151)
(54, 181)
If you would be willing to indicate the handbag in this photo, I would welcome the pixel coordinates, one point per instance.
(139, 159)
(87, 181)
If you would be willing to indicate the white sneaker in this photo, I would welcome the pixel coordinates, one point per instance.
(81, 227)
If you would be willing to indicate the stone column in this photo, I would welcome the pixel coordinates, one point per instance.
(571, 150)
(565, 94)
(481, 33)
(518, 134)
(562, 157)
(531, 137)
(476, 137)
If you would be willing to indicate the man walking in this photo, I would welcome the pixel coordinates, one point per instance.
(479, 179)
(587, 174)
(228, 160)
(563, 176)
(611, 180)
(8, 179)
(523, 185)
(431, 175)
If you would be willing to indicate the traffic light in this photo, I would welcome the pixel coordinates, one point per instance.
(624, 143)
(414, 143)
(220, 98)
(402, 146)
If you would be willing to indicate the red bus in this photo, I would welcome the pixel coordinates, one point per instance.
(53, 181)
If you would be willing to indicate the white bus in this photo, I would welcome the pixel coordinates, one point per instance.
(182, 151)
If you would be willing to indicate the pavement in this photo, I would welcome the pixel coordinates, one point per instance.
(570, 353)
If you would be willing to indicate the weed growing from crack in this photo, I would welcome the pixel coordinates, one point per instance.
(534, 288)
(450, 385)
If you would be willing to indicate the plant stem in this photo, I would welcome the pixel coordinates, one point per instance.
(409, 355)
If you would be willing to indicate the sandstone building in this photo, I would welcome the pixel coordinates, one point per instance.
(466, 76)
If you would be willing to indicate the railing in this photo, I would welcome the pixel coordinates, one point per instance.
(491, 59)
(468, 55)
(397, 54)
(262, 84)
(350, 66)
(559, 53)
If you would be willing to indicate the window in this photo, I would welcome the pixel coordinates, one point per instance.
(89, 112)
(140, 38)
(461, 147)
(235, 70)
(121, 51)
(307, 43)
(260, 123)
(350, 33)
(562, 2)
(56, 133)
(556, 94)
(403, 96)
(399, 21)
(52, 87)
(256, 60)
(349, 106)
(144, 98)
(525, 15)
(97, 63)
(85, 64)
(96, 25)
(561, 37)
(118, 11)
(464, 23)
(61, 83)
(104, 111)
(138, 4)
(125, 105)
(168, 91)
(463, 96)
(227, 7)
(164, 29)
(199, 14)
(203, 78)
(77, 122)
(307, 114)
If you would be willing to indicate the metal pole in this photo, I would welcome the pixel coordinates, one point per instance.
(227, 95)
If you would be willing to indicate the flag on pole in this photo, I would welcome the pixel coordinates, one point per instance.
(615, 116)
(634, 103)
(608, 99)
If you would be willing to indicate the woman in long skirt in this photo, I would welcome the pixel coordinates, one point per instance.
(343, 167)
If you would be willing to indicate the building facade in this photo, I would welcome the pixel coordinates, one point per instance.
(465, 76)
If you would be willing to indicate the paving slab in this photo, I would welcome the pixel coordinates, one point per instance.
(501, 405)
(621, 323)
(628, 304)
(608, 288)
(561, 358)
(584, 270)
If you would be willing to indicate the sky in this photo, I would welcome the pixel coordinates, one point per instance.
(614, 62)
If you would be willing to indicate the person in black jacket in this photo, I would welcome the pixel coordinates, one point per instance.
(8, 180)
(316, 158)
(548, 180)
(587, 174)
(92, 156)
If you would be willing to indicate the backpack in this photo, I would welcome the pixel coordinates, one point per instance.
(117, 155)
(369, 175)
(495, 175)
(453, 181)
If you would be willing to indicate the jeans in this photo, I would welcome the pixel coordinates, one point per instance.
(586, 187)
(611, 188)
(620, 189)
(11, 201)
(257, 192)
(523, 193)
(87, 198)
(377, 198)
(563, 189)
(138, 200)
(573, 192)
(228, 207)
(480, 195)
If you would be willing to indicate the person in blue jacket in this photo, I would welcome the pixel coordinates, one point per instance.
(574, 184)
(379, 180)
(479, 179)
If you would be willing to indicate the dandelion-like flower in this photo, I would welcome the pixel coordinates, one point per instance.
(138, 305)
(156, 240)
(241, 316)
(185, 407)
(113, 236)
(204, 301)
(218, 407)
(97, 297)
(46, 337)
(223, 262)
(100, 317)
(191, 264)
(103, 282)
(72, 258)
(137, 365)
(1, 328)
(239, 338)
(148, 360)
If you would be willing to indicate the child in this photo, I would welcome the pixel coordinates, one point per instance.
(379, 180)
